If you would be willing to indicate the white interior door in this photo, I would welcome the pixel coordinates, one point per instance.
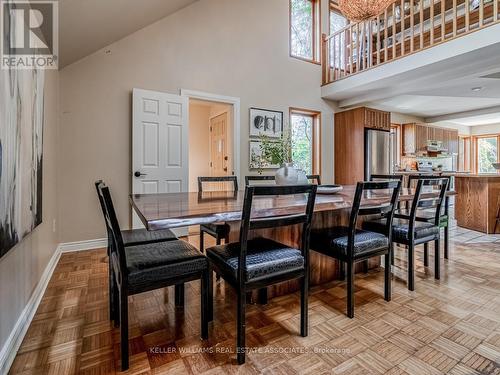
(159, 145)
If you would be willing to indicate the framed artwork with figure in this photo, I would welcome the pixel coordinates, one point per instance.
(266, 122)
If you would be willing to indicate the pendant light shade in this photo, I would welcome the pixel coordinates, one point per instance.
(363, 10)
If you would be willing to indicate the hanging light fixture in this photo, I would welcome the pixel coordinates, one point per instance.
(363, 10)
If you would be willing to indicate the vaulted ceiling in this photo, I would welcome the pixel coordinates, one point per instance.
(85, 26)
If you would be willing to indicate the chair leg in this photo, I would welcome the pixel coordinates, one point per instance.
(218, 242)
(365, 266)
(210, 292)
(411, 267)
(437, 260)
(111, 287)
(392, 255)
(304, 305)
(124, 329)
(341, 270)
(446, 241)
(350, 289)
(262, 296)
(426, 254)
(205, 303)
(116, 302)
(179, 295)
(388, 274)
(202, 244)
(240, 340)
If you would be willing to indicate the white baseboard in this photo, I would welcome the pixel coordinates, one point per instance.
(9, 350)
(83, 245)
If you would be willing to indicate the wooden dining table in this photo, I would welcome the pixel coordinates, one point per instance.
(175, 210)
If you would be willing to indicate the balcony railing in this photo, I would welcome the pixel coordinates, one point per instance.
(404, 28)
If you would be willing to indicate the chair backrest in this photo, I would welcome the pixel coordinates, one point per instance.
(248, 179)
(386, 211)
(103, 210)
(314, 178)
(413, 179)
(385, 177)
(117, 249)
(223, 180)
(434, 202)
(276, 192)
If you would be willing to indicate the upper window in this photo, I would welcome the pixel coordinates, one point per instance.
(304, 29)
(305, 127)
(337, 19)
(487, 154)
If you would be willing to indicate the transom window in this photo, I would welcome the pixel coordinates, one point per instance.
(304, 29)
(305, 137)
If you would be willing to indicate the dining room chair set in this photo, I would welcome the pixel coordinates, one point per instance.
(142, 260)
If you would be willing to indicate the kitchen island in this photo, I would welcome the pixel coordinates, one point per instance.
(476, 203)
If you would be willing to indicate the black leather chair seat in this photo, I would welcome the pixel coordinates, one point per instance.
(335, 239)
(221, 230)
(400, 229)
(142, 236)
(154, 262)
(265, 258)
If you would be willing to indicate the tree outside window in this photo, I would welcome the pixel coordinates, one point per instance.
(487, 153)
(302, 144)
(302, 33)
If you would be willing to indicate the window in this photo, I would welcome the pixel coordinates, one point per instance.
(305, 29)
(305, 137)
(337, 23)
(464, 161)
(487, 153)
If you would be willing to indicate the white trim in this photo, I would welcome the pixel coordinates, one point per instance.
(83, 245)
(236, 120)
(11, 346)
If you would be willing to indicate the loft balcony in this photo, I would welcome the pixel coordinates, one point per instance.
(420, 33)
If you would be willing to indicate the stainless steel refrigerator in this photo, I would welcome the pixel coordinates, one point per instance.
(379, 152)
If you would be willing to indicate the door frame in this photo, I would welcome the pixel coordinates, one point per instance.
(235, 120)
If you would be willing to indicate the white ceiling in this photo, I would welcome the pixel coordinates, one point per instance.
(85, 26)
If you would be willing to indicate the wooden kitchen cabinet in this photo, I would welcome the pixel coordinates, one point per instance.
(415, 137)
(349, 141)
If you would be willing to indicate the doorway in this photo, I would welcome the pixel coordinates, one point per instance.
(210, 140)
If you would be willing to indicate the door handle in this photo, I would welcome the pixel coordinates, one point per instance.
(139, 174)
(225, 169)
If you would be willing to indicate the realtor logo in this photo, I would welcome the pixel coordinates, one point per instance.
(29, 37)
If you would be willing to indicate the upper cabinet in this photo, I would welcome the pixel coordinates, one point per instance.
(375, 119)
(415, 137)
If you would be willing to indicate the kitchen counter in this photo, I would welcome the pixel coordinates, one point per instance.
(476, 203)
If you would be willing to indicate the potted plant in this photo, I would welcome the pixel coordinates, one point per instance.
(279, 152)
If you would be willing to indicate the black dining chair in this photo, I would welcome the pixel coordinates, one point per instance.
(314, 178)
(249, 180)
(412, 230)
(350, 245)
(135, 237)
(426, 215)
(217, 230)
(141, 268)
(251, 264)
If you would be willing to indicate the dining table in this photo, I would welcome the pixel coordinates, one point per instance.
(176, 210)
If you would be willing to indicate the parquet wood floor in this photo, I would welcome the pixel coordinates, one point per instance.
(451, 326)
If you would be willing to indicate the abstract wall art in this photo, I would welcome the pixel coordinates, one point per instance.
(21, 154)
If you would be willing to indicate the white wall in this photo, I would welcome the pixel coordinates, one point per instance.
(485, 129)
(211, 46)
(22, 267)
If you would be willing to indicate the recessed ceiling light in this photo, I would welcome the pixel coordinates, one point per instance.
(476, 89)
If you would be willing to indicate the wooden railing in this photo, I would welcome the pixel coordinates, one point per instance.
(406, 27)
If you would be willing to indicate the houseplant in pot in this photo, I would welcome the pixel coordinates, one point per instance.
(279, 152)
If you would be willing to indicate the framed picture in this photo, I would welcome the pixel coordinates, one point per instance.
(255, 158)
(266, 122)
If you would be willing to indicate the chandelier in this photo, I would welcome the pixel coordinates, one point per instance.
(363, 10)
